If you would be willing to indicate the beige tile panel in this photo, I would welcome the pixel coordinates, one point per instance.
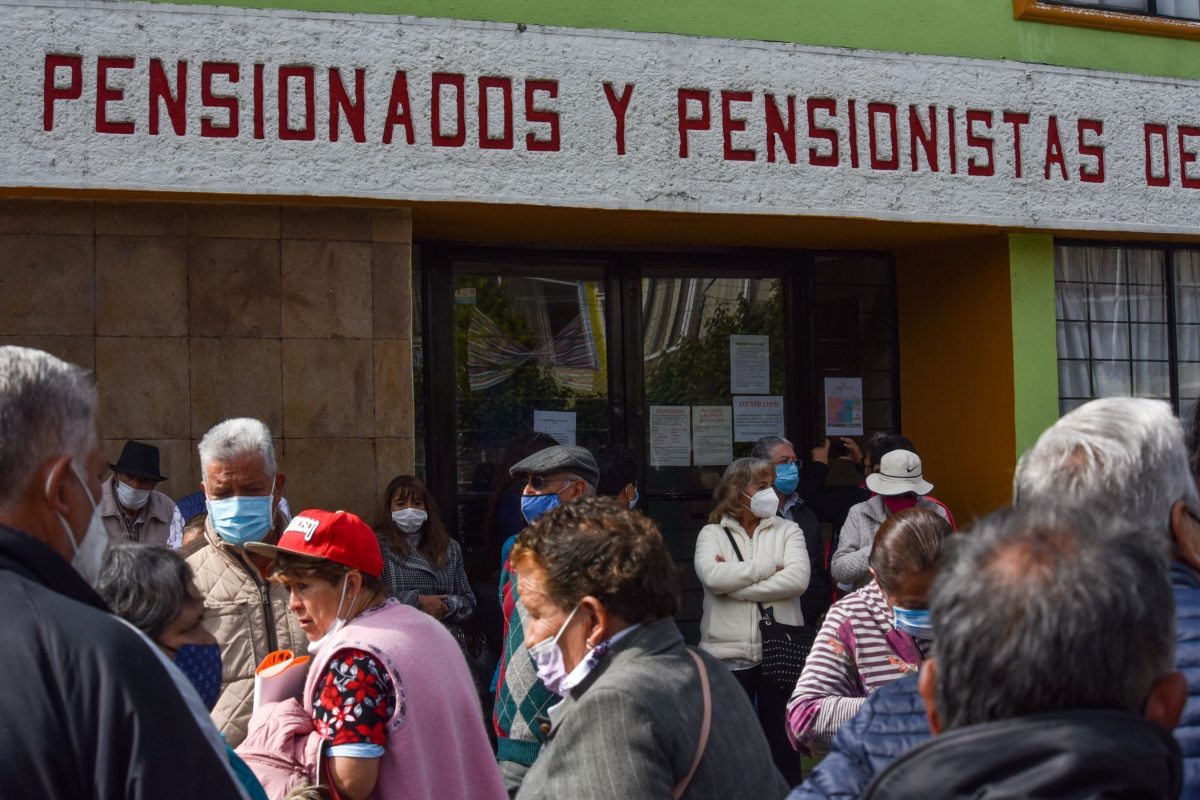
(391, 268)
(143, 387)
(174, 457)
(392, 457)
(141, 219)
(332, 474)
(141, 286)
(391, 225)
(393, 388)
(236, 378)
(46, 285)
(80, 350)
(234, 220)
(234, 287)
(328, 388)
(340, 223)
(326, 289)
(31, 215)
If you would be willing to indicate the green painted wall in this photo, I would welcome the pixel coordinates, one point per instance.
(972, 28)
(1035, 340)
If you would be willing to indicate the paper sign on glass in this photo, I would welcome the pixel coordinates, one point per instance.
(843, 407)
(749, 364)
(712, 435)
(756, 417)
(670, 436)
(559, 425)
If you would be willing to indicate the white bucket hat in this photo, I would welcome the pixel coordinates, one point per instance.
(899, 473)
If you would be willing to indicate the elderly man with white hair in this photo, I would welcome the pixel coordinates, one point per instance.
(247, 613)
(89, 707)
(1117, 457)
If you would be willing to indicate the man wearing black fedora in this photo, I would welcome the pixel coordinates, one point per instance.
(130, 508)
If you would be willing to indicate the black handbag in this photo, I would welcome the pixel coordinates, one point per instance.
(785, 648)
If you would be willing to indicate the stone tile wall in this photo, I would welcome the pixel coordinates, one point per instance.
(191, 313)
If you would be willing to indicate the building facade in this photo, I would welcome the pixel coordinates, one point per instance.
(405, 241)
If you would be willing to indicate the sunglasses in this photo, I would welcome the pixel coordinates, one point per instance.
(539, 482)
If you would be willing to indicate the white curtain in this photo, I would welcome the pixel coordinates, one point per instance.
(1187, 9)
(1112, 323)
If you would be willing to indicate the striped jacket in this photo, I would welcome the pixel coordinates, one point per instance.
(856, 652)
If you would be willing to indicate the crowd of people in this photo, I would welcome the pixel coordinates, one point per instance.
(1051, 649)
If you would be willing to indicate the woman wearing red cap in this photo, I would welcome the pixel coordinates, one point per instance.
(388, 691)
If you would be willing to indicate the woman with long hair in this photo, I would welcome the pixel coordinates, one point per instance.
(422, 565)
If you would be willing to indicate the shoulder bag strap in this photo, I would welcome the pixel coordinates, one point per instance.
(763, 614)
(705, 726)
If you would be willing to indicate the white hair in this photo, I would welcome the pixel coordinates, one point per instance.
(1119, 456)
(47, 410)
(232, 438)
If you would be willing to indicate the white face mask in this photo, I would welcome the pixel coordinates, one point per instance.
(548, 659)
(131, 498)
(409, 520)
(89, 554)
(338, 622)
(764, 504)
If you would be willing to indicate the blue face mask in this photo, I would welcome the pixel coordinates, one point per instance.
(633, 503)
(239, 520)
(915, 622)
(201, 663)
(534, 506)
(787, 477)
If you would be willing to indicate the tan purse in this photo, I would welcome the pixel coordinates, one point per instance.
(705, 726)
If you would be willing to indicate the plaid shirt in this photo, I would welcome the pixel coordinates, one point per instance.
(408, 578)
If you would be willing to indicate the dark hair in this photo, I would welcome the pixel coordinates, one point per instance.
(290, 565)
(1032, 590)
(908, 542)
(880, 446)
(144, 584)
(434, 540)
(618, 469)
(597, 548)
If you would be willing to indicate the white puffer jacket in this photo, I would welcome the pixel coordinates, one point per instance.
(733, 588)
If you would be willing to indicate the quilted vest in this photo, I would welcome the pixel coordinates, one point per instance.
(249, 617)
(436, 744)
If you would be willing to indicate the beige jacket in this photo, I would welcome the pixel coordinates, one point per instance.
(249, 617)
(154, 519)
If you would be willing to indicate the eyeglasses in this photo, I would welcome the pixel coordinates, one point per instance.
(539, 482)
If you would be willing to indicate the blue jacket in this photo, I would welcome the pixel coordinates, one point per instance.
(1187, 660)
(892, 720)
(890, 723)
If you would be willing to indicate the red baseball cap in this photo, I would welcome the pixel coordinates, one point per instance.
(337, 536)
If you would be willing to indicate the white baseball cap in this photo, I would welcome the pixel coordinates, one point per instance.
(899, 473)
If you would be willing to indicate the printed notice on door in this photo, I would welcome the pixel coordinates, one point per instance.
(670, 436)
(712, 435)
(756, 417)
(749, 364)
(843, 407)
(559, 425)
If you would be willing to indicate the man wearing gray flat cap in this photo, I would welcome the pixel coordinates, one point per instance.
(553, 477)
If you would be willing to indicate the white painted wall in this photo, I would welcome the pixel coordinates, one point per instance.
(586, 171)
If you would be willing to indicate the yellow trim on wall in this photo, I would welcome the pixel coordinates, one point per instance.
(1126, 22)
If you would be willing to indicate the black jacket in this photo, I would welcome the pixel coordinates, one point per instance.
(1068, 755)
(87, 710)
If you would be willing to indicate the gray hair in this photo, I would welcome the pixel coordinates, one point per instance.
(144, 584)
(1118, 455)
(588, 489)
(227, 440)
(764, 448)
(1034, 589)
(47, 410)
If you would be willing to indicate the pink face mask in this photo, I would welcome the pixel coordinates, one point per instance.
(899, 502)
